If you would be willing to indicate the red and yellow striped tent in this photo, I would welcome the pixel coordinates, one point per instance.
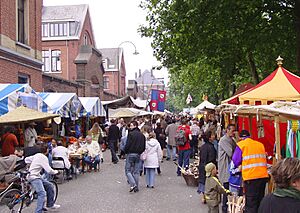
(280, 85)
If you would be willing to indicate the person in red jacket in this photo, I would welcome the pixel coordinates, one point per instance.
(9, 142)
(184, 151)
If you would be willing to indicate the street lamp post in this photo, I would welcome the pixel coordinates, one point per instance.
(120, 63)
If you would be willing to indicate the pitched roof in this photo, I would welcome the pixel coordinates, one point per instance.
(280, 85)
(148, 79)
(66, 13)
(112, 55)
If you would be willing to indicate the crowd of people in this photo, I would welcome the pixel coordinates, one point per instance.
(227, 165)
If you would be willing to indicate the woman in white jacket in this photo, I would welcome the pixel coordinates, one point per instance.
(154, 156)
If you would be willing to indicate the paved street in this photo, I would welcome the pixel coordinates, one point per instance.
(107, 191)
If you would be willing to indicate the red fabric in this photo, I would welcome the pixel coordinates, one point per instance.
(269, 139)
(9, 144)
(293, 79)
(187, 133)
(266, 80)
(234, 101)
(162, 96)
(153, 105)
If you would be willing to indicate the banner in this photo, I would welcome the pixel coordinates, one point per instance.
(158, 99)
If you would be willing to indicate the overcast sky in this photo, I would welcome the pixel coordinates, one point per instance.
(115, 21)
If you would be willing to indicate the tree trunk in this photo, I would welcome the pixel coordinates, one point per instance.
(297, 24)
(252, 67)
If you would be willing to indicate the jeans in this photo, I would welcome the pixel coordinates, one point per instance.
(92, 162)
(183, 159)
(43, 188)
(194, 145)
(169, 147)
(132, 168)
(112, 144)
(150, 176)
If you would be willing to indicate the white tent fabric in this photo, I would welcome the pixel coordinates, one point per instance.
(15, 95)
(93, 106)
(205, 105)
(67, 105)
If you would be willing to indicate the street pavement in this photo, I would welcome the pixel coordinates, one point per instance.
(108, 191)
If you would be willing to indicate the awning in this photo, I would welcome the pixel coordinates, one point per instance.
(15, 95)
(93, 106)
(25, 115)
(280, 85)
(203, 106)
(127, 101)
(128, 112)
(67, 105)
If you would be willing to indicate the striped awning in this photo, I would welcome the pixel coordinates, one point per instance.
(15, 95)
(67, 105)
(93, 106)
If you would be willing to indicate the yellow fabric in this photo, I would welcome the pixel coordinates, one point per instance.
(277, 89)
(254, 156)
(25, 115)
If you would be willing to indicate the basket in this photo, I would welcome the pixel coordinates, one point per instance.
(191, 180)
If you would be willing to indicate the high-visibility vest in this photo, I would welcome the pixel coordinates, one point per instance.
(254, 163)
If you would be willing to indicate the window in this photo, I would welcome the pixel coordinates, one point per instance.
(55, 59)
(21, 21)
(23, 78)
(73, 27)
(106, 82)
(104, 62)
(85, 42)
(46, 60)
(45, 29)
(58, 29)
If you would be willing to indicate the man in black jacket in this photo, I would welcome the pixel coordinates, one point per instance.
(113, 137)
(135, 145)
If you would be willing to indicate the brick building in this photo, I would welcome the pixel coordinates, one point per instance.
(114, 78)
(71, 63)
(20, 42)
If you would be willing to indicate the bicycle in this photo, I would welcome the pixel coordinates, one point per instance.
(15, 199)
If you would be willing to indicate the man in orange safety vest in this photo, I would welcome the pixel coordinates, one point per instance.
(251, 155)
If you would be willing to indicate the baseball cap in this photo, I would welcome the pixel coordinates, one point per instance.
(209, 168)
(244, 133)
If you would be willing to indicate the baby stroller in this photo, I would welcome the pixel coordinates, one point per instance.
(7, 166)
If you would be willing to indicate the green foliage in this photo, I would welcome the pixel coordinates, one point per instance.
(208, 45)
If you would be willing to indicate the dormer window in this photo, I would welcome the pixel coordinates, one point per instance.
(59, 29)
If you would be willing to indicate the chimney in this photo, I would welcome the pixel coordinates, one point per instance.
(135, 75)
(140, 72)
(151, 72)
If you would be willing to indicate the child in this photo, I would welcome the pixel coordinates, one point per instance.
(235, 179)
(213, 188)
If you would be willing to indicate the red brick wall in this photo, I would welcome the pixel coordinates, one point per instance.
(11, 64)
(60, 85)
(9, 74)
(8, 25)
(113, 82)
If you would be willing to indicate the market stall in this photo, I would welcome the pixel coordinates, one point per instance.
(15, 95)
(280, 85)
(67, 105)
(93, 106)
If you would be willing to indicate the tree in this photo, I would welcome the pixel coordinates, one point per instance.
(237, 39)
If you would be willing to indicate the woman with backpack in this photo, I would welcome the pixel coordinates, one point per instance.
(153, 157)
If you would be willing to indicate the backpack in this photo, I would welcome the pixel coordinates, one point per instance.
(180, 138)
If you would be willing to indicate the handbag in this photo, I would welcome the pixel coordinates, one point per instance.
(143, 156)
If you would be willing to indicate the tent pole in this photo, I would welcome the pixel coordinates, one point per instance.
(277, 138)
(250, 125)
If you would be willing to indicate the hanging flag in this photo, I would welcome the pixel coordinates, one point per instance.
(189, 99)
(158, 99)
